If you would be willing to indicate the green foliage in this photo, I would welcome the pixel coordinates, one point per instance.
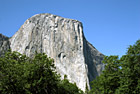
(65, 87)
(130, 75)
(22, 75)
(121, 76)
(87, 89)
(109, 79)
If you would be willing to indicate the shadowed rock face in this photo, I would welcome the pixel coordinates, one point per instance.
(63, 40)
(4, 44)
(93, 60)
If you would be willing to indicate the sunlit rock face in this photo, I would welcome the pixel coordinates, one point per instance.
(63, 40)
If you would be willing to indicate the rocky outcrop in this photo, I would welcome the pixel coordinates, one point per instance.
(4, 44)
(63, 40)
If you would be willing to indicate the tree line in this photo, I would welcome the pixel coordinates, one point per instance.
(20, 74)
(121, 75)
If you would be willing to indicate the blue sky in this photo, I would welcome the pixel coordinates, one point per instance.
(110, 25)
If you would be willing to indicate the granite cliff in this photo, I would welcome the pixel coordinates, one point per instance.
(61, 39)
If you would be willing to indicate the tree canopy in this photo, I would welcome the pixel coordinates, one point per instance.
(20, 74)
(120, 76)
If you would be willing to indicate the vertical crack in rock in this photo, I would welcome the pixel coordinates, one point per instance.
(61, 39)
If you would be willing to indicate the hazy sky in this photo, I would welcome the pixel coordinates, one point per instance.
(110, 25)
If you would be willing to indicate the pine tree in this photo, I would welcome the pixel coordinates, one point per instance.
(121, 76)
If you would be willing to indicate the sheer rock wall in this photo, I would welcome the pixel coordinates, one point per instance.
(63, 40)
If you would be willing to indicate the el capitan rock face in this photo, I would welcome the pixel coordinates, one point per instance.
(63, 40)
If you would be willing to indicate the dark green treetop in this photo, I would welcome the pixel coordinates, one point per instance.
(22, 75)
(121, 76)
